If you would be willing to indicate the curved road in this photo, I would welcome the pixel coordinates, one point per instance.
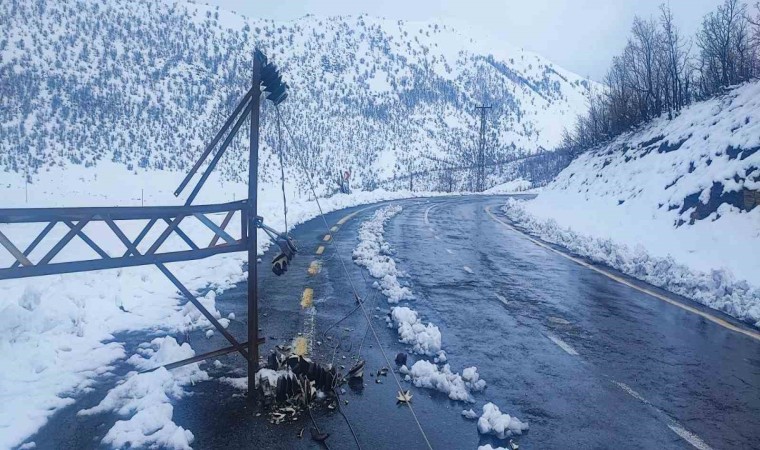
(589, 362)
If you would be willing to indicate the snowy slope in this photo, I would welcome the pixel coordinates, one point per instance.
(681, 195)
(146, 83)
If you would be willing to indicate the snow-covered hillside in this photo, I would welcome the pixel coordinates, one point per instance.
(674, 203)
(146, 84)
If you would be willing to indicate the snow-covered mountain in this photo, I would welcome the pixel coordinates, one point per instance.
(674, 203)
(145, 84)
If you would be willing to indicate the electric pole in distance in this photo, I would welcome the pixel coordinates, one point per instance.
(481, 165)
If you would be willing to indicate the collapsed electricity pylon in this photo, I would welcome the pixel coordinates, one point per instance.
(75, 220)
(480, 184)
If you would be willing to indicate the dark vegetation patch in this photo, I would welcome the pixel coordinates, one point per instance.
(743, 199)
(673, 183)
(740, 153)
(667, 147)
(654, 140)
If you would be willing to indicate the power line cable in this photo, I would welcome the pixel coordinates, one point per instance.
(348, 276)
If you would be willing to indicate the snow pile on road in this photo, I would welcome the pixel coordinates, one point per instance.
(144, 399)
(493, 421)
(374, 253)
(469, 414)
(673, 203)
(458, 387)
(424, 339)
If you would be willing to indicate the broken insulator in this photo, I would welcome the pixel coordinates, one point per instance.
(357, 371)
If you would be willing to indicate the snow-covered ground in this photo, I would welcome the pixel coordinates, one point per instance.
(671, 204)
(59, 330)
(510, 187)
(143, 400)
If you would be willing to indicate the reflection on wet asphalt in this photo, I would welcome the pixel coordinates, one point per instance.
(587, 361)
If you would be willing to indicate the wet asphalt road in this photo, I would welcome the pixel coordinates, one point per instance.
(588, 362)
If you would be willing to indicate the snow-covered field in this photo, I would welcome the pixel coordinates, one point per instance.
(670, 204)
(59, 330)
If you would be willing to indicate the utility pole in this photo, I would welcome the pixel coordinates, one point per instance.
(26, 178)
(253, 286)
(481, 165)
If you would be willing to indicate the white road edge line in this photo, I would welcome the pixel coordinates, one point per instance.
(562, 344)
(427, 211)
(627, 389)
(467, 269)
(674, 426)
(657, 295)
(689, 437)
(450, 252)
(502, 299)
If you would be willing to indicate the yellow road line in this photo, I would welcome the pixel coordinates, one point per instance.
(327, 238)
(320, 249)
(348, 217)
(300, 346)
(717, 320)
(307, 298)
(314, 268)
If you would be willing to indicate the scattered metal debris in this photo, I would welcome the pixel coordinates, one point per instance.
(357, 371)
(404, 397)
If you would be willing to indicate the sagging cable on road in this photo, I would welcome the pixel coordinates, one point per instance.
(366, 314)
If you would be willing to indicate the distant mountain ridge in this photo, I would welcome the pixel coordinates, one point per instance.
(147, 83)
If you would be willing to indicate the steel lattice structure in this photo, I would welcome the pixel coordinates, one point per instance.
(170, 218)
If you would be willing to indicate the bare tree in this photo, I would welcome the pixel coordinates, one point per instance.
(675, 53)
(656, 71)
(724, 47)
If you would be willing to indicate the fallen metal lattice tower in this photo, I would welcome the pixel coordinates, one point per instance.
(76, 219)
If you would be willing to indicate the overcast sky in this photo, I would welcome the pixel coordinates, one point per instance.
(580, 35)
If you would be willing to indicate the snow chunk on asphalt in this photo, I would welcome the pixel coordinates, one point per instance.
(493, 421)
(424, 339)
(428, 375)
(238, 382)
(471, 376)
(144, 399)
(373, 253)
(469, 414)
